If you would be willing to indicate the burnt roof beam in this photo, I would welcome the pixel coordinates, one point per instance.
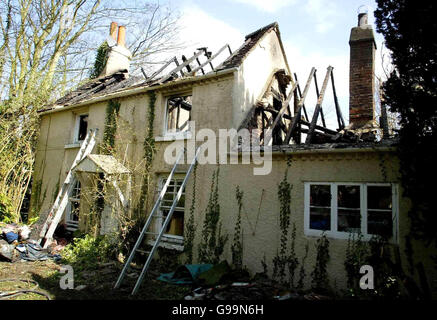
(318, 106)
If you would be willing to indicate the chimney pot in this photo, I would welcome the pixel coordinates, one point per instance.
(113, 30)
(119, 56)
(362, 19)
(121, 40)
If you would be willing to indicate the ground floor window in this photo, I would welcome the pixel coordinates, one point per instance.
(175, 229)
(339, 209)
(73, 207)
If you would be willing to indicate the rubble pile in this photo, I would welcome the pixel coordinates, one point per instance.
(16, 245)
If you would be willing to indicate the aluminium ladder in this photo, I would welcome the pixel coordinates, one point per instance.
(55, 213)
(153, 214)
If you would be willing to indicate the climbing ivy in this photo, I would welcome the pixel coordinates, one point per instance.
(292, 262)
(320, 274)
(36, 200)
(237, 245)
(190, 227)
(356, 255)
(149, 151)
(212, 243)
(112, 111)
(302, 272)
(282, 259)
(100, 62)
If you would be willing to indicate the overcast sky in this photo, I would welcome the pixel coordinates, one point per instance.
(314, 32)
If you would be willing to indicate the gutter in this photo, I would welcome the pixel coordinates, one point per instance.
(322, 150)
(139, 90)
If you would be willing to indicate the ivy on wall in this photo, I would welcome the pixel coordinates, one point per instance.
(190, 228)
(319, 274)
(237, 245)
(36, 201)
(100, 62)
(282, 259)
(213, 242)
(112, 112)
(149, 152)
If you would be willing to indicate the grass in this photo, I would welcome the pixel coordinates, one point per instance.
(98, 281)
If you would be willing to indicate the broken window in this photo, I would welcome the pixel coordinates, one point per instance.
(355, 208)
(81, 127)
(72, 217)
(178, 113)
(175, 228)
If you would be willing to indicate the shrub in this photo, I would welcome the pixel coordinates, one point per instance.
(87, 252)
(6, 210)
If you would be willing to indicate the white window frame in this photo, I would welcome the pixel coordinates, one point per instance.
(175, 135)
(159, 221)
(76, 127)
(333, 232)
(72, 225)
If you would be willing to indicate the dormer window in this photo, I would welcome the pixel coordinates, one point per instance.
(178, 113)
(81, 127)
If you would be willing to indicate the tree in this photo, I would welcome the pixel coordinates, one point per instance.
(409, 29)
(48, 47)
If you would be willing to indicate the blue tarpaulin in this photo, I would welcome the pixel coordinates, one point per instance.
(185, 274)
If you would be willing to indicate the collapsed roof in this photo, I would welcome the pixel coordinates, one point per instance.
(186, 68)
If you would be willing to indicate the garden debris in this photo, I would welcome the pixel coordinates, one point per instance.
(24, 232)
(11, 237)
(34, 252)
(6, 251)
(215, 274)
(259, 287)
(185, 274)
(81, 287)
(313, 296)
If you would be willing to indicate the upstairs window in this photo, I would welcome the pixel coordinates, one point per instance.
(339, 209)
(178, 113)
(81, 127)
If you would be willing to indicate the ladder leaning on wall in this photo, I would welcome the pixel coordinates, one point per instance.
(55, 213)
(154, 214)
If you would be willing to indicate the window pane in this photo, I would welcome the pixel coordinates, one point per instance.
(74, 215)
(176, 224)
(320, 195)
(379, 213)
(379, 197)
(320, 207)
(380, 223)
(349, 215)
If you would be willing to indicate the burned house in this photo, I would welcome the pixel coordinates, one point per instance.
(342, 181)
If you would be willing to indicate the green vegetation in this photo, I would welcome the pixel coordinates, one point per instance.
(237, 245)
(319, 275)
(212, 242)
(100, 62)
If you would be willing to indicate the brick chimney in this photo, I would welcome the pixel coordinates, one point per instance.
(361, 74)
(118, 55)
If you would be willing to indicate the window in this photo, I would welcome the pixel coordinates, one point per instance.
(175, 229)
(73, 207)
(178, 113)
(339, 209)
(81, 127)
